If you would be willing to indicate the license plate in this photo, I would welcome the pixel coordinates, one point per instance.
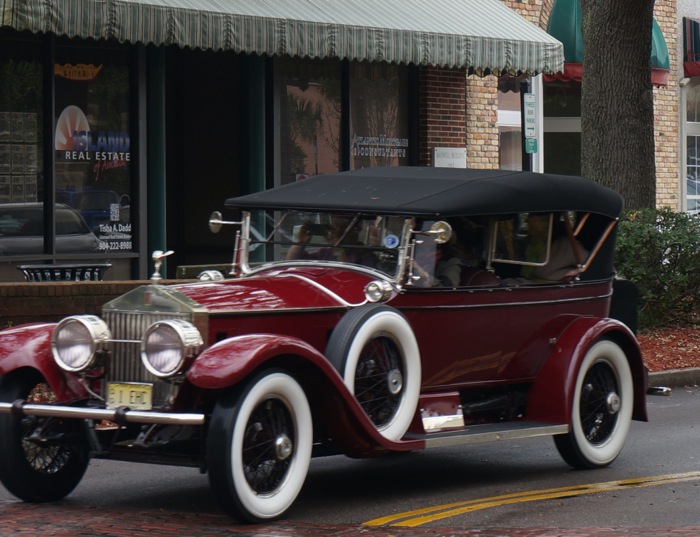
(135, 395)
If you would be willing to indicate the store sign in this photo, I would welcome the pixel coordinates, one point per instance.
(530, 112)
(381, 146)
(450, 157)
(78, 72)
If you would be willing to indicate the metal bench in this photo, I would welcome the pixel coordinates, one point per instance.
(65, 272)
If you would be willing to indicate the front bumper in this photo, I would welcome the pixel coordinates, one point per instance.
(120, 415)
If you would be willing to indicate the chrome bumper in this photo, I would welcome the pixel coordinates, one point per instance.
(118, 415)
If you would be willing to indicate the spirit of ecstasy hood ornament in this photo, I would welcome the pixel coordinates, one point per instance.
(158, 256)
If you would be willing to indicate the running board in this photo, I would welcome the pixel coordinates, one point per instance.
(491, 432)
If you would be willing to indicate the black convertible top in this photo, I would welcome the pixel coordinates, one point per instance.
(431, 191)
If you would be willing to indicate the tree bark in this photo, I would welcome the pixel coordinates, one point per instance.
(617, 106)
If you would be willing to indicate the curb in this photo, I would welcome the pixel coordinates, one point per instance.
(675, 378)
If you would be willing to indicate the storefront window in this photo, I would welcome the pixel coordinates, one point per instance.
(20, 124)
(309, 111)
(562, 128)
(510, 153)
(92, 143)
(378, 115)
(692, 146)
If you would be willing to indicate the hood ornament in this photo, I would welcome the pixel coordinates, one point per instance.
(158, 256)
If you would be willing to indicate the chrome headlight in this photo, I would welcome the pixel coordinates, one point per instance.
(378, 290)
(167, 345)
(76, 341)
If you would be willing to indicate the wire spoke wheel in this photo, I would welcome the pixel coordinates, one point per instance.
(268, 442)
(374, 349)
(41, 459)
(601, 408)
(600, 403)
(379, 380)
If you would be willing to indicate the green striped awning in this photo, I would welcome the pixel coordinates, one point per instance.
(480, 35)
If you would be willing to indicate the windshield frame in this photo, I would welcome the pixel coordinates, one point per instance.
(248, 239)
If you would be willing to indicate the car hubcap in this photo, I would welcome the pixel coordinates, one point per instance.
(614, 403)
(394, 381)
(283, 447)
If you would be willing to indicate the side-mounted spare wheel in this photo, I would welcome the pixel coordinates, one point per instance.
(602, 408)
(259, 447)
(41, 459)
(375, 351)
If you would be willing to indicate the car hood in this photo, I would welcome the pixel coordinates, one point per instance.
(292, 288)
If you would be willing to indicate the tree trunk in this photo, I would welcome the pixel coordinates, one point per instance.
(617, 106)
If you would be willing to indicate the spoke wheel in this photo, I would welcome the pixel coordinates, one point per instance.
(375, 351)
(602, 408)
(378, 382)
(41, 459)
(259, 447)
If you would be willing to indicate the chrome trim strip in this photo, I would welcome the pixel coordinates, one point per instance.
(116, 415)
(327, 291)
(510, 304)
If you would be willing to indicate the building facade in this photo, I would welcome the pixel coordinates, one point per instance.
(143, 129)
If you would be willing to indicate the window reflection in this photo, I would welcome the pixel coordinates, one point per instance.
(309, 114)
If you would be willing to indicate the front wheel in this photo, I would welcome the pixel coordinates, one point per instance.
(41, 459)
(259, 447)
(602, 408)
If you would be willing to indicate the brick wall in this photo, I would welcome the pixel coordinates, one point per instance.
(442, 111)
(482, 122)
(41, 302)
(666, 117)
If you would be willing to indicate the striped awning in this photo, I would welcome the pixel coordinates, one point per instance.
(480, 35)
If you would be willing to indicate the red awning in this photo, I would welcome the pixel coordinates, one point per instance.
(691, 47)
(573, 72)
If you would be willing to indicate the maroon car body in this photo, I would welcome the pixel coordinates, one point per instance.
(331, 333)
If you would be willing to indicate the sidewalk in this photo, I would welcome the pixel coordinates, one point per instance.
(675, 378)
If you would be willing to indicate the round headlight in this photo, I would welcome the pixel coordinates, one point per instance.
(76, 341)
(378, 290)
(166, 346)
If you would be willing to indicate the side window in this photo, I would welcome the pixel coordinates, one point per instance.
(521, 239)
(535, 248)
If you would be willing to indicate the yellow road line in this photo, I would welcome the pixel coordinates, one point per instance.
(419, 517)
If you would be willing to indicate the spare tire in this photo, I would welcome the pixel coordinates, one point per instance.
(375, 351)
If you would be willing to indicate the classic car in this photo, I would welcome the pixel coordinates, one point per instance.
(372, 311)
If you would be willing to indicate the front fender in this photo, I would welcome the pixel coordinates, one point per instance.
(29, 346)
(552, 393)
(232, 360)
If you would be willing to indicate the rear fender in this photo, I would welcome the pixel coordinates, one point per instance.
(29, 346)
(552, 393)
(233, 360)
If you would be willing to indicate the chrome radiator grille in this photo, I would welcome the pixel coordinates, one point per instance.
(125, 362)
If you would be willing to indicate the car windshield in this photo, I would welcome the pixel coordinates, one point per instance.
(371, 241)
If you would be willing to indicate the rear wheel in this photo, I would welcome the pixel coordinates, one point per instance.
(41, 459)
(602, 408)
(259, 447)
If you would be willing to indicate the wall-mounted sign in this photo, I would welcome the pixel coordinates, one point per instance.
(450, 157)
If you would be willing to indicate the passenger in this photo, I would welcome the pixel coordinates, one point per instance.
(350, 249)
(438, 265)
(563, 262)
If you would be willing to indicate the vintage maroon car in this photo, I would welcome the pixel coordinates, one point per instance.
(364, 313)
